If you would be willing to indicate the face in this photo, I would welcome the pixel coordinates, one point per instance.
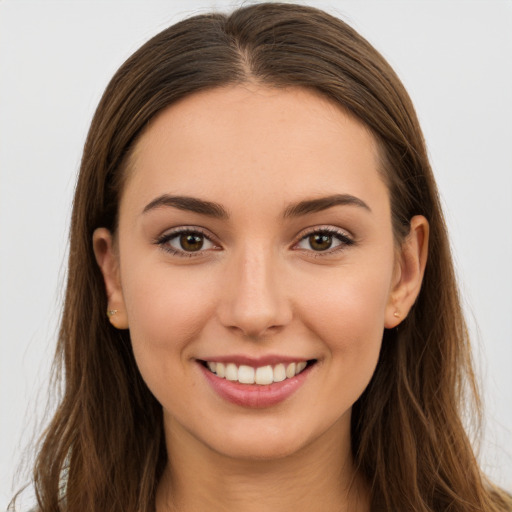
(255, 267)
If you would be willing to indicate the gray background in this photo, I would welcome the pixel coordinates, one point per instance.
(455, 58)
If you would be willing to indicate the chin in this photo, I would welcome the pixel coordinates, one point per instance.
(271, 440)
(260, 449)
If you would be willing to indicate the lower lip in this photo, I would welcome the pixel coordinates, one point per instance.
(254, 395)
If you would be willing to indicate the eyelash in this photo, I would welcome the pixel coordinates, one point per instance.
(344, 239)
(163, 241)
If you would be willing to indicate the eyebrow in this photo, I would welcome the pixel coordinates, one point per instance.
(190, 204)
(323, 203)
(216, 210)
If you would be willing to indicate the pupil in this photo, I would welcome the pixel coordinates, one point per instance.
(320, 242)
(191, 242)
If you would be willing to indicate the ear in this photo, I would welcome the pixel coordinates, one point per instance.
(410, 268)
(108, 261)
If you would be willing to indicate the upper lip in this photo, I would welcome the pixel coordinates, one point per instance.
(255, 362)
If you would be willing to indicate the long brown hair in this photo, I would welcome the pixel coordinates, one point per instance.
(104, 449)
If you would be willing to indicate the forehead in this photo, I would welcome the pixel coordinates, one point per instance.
(249, 139)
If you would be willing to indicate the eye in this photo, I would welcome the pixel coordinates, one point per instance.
(325, 240)
(185, 242)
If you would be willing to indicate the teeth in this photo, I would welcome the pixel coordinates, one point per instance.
(231, 371)
(279, 373)
(262, 375)
(300, 366)
(221, 370)
(246, 374)
(290, 370)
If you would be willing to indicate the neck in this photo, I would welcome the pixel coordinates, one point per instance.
(319, 477)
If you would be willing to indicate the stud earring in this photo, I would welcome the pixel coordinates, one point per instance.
(396, 314)
(111, 312)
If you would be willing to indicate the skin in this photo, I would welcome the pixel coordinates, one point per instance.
(258, 288)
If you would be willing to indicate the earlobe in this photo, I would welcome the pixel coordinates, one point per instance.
(107, 259)
(412, 259)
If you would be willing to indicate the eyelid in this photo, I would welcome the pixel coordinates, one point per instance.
(345, 238)
(163, 239)
(342, 235)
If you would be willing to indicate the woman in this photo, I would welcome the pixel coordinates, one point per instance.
(256, 215)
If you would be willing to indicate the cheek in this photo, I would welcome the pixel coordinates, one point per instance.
(166, 310)
(346, 302)
(347, 314)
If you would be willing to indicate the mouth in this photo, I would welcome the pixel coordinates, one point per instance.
(261, 375)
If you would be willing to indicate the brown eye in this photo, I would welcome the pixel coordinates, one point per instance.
(325, 240)
(191, 241)
(185, 243)
(320, 241)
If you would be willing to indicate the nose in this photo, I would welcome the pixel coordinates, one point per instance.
(255, 301)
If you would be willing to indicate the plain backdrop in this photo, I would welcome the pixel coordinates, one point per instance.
(455, 58)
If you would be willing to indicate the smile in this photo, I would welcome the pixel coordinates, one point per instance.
(256, 384)
(262, 375)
